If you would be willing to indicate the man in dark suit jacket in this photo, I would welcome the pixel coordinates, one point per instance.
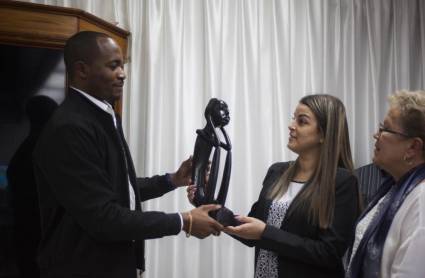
(91, 218)
(370, 179)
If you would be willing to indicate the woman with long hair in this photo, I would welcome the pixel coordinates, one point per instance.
(304, 217)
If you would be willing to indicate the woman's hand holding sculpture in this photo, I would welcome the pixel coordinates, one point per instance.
(252, 228)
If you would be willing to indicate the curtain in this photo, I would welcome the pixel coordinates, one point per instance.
(260, 57)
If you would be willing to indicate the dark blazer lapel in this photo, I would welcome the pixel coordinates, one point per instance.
(130, 165)
(105, 119)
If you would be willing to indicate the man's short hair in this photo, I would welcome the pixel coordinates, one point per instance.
(81, 47)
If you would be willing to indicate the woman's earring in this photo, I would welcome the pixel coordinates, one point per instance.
(407, 160)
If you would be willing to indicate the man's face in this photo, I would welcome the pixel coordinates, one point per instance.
(106, 73)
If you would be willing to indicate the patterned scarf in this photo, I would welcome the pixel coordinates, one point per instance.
(366, 262)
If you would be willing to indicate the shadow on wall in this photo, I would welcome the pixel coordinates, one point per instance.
(25, 75)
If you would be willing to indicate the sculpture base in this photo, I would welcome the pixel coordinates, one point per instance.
(225, 216)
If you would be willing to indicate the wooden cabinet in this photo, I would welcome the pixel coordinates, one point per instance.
(36, 25)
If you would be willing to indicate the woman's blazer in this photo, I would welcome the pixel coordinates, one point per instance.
(304, 249)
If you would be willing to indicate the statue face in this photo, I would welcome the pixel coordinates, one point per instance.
(219, 112)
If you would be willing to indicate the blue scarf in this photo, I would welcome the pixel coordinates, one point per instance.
(366, 262)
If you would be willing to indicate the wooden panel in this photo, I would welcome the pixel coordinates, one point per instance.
(38, 25)
(36, 28)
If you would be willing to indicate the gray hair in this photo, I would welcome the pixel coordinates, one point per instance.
(412, 112)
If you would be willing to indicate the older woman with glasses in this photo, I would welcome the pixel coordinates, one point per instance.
(390, 234)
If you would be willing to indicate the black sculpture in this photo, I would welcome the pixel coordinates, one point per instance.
(217, 116)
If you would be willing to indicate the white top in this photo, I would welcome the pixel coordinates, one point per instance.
(267, 260)
(404, 249)
(363, 225)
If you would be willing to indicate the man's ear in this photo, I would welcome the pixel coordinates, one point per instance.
(81, 70)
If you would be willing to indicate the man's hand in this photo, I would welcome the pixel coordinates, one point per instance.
(191, 189)
(183, 175)
(202, 224)
(252, 228)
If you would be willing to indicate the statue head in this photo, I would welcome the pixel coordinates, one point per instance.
(218, 111)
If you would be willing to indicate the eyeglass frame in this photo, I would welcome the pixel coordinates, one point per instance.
(381, 129)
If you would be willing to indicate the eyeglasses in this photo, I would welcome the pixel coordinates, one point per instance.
(382, 128)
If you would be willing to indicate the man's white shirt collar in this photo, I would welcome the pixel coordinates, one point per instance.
(104, 105)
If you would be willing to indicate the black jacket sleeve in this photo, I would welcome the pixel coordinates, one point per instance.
(154, 187)
(72, 170)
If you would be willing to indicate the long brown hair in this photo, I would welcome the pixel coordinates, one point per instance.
(319, 193)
